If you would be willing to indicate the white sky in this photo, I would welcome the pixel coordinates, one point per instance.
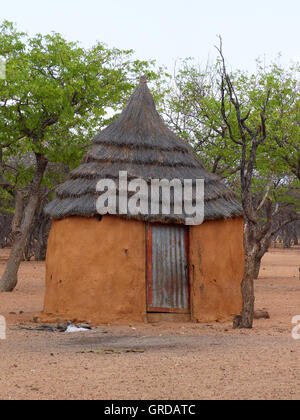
(170, 29)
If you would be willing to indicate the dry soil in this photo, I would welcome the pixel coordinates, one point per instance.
(163, 361)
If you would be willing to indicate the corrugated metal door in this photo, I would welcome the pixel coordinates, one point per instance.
(168, 268)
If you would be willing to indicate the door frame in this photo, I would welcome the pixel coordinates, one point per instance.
(149, 279)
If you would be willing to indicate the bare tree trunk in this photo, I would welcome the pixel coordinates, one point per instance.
(248, 293)
(42, 239)
(18, 215)
(264, 246)
(10, 277)
(36, 244)
(257, 265)
(5, 229)
(286, 241)
(245, 320)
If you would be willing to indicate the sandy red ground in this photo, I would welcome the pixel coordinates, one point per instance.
(179, 361)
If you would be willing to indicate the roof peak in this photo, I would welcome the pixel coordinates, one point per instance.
(140, 124)
(143, 79)
(140, 143)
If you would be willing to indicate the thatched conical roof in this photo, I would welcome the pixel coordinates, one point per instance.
(140, 143)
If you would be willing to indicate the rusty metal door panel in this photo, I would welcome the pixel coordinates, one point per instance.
(167, 260)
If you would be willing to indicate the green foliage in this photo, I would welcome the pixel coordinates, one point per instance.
(193, 107)
(55, 98)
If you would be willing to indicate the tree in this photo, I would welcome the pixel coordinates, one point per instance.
(5, 229)
(52, 102)
(242, 127)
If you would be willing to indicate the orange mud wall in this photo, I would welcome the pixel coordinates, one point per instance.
(96, 271)
(217, 265)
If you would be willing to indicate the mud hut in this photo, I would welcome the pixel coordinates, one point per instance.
(133, 267)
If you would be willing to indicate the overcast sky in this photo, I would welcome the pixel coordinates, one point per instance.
(170, 29)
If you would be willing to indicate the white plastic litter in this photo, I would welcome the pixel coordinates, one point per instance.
(73, 329)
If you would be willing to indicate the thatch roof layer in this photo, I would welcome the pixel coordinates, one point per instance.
(139, 143)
